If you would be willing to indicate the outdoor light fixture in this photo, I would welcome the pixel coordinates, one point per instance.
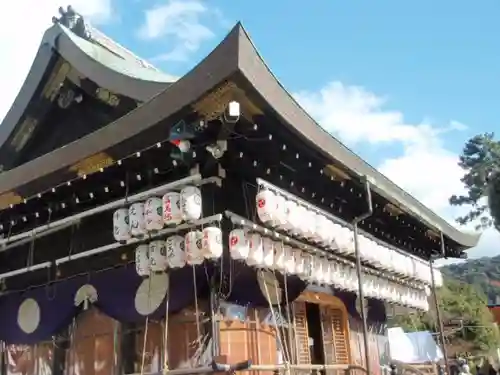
(232, 113)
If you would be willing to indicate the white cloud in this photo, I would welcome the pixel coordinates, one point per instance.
(425, 167)
(22, 24)
(179, 23)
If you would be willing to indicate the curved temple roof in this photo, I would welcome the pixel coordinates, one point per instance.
(102, 60)
(235, 54)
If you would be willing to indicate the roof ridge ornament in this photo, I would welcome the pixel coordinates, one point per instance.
(74, 21)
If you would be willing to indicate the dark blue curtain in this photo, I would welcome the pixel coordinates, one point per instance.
(240, 285)
(116, 294)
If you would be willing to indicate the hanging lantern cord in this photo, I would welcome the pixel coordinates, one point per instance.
(165, 333)
(285, 343)
(196, 308)
(288, 317)
(146, 329)
(280, 341)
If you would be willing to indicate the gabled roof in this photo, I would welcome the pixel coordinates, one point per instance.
(235, 54)
(99, 59)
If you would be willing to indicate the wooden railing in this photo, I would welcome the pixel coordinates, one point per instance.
(416, 369)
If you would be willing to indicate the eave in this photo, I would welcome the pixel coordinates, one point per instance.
(235, 54)
(105, 68)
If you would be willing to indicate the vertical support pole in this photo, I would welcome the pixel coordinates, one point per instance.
(361, 296)
(3, 360)
(214, 203)
(359, 272)
(62, 343)
(214, 319)
(437, 306)
(127, 348)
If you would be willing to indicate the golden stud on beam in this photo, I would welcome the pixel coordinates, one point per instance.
(335, 172)
(393, 210)
(9, 199)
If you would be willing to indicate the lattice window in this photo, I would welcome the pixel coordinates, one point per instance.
(301, 333)
(334, 335)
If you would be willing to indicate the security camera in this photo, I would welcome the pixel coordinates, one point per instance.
(232, 113)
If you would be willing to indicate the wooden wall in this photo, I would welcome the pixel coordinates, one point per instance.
(29, 360)
(245, 333)
(377, 341)
(96, 343)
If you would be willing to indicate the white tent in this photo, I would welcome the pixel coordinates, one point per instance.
(413, 347)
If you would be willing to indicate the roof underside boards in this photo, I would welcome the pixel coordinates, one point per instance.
(235, 53)
(121, 75)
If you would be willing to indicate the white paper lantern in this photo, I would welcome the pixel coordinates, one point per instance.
(290, 266)
(396, 261)
(327, 272)
(191, 204)
(158, 260)
(383, 256)
(330, 235)
(280, 216)
(136, 219)
(384, 289)
(309, 225)
(318, 274)
(353, 278)
(193, 240)
(369, 252)
(239, 246)
(345, 240)
(391, 266)
(438, 278)
(153, 214)
(279, 256)
(142, 260)
(309, 268)
(368, 286)
(300, 263)
(172, 212)
(321, 231)
(363, 246)
(176, 255)
(256, 251)
(121, 227)
(266, 206)
(268, 247)
(302, 225)
(292, 216)
(212, 243)
(338, 278)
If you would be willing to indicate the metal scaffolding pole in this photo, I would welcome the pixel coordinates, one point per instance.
(437, 306)
(359, 271)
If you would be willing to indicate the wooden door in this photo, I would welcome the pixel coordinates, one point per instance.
(334, 329)
(334, 325)
(301, 331)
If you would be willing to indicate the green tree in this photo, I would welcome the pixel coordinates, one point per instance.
(480, 159)
(458, 301)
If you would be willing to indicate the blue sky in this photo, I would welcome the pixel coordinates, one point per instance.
(431, 59)
(404, 84)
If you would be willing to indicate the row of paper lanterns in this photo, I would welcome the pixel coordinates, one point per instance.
(289, 215)
(263, 252)
(178, 251)
(155, 213)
